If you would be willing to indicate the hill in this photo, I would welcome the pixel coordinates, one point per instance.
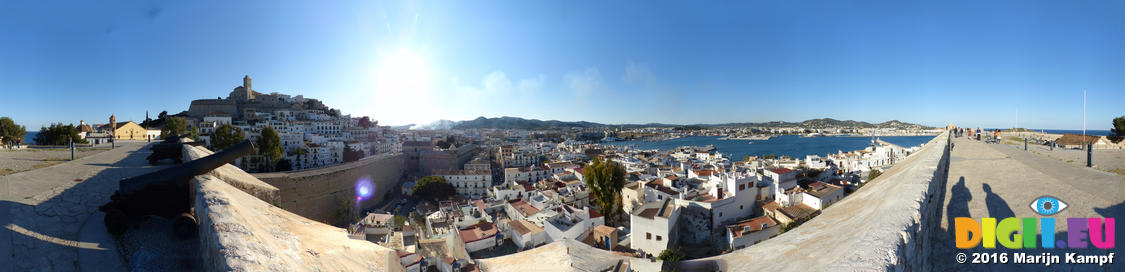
(508, 122)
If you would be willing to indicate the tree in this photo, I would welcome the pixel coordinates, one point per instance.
(366, 122)
(225, 136)
(10, 131)
(174, 126)
(433, 188)
(269, 145)
(299, 152)
(873, 174)
(194, 134)
(813, 173)
(58, 134)
(605, 179)
(770, 156)
(351, 155)
(284, 165)
(1117, 133)
(345, 212)
(162, 116)
(671, 256)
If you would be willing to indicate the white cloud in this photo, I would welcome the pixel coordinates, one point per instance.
(585, 82)
(638, 74)
(498, 83)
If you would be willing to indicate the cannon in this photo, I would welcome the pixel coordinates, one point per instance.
(170, 148)
(165, 193)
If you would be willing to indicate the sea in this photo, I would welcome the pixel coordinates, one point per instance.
(29, 137)
(789, 145)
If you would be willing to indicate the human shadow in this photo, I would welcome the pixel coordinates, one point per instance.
(1115, 211)
(997, 207)
(958, 203)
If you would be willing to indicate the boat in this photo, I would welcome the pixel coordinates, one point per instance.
(749, 142)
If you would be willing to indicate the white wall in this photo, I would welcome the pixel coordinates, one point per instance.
(658, 226)
(481, 244)
(752, 238)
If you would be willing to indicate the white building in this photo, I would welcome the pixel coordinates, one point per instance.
(469, 183)
(525, 174)
(571, 223)
(653, 227)
(750, 232)
(782, 179)
(815, 162)
(479, 237)
(527, 235)
(820, 195)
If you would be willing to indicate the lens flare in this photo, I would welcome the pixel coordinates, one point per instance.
(364, 188)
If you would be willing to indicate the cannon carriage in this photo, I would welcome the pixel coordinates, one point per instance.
(170, 148)
(165, 193)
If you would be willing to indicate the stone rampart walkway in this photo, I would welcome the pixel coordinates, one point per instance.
(43, 212)
(997, 180)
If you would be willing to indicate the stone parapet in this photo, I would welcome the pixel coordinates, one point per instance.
(236, 177)
(318, 193)
(239, 232)
(881, 227)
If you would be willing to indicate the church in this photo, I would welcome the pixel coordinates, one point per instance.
(128, 130)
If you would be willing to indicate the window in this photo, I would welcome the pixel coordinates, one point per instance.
(739, 207)
(648, 236)
(720, 214)
(658, 237)
(741, 187)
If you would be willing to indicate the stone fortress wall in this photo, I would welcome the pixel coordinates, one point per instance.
(239, 230)
(882, 227)
(316, 194)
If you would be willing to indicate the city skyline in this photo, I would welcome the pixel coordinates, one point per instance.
(409, 62)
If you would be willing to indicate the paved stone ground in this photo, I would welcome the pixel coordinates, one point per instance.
(1104, 159)
(27, 158)
(998, 180)
(45, 212)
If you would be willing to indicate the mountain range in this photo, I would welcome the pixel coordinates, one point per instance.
(507, 122)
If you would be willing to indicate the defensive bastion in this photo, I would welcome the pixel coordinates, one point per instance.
(880, 227)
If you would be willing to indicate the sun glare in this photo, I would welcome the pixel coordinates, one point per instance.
(404, 71)
(403, 78)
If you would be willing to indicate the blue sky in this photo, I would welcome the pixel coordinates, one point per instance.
(971, 63)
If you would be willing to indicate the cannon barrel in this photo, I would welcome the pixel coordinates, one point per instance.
(165, 192)
(184, 172)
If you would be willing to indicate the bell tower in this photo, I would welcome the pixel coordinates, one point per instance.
(112, 125)
(246, 82)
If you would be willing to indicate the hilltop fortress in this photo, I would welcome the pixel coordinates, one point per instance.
(244, 103)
